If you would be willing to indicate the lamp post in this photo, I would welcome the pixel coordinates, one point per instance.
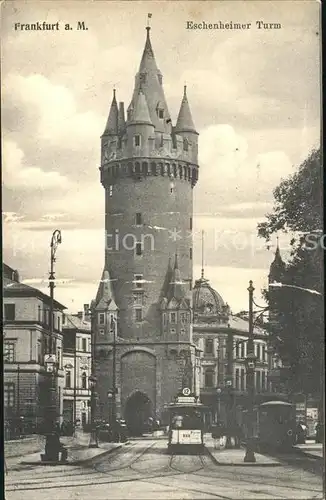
(50, 361)
(93, 441)
(113, 328)
(229, 391)
(250, 365)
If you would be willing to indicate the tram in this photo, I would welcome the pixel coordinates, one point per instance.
(186, 426)
(276, 425)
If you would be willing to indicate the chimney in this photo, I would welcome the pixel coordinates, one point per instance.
(86, 309)
(80, 314)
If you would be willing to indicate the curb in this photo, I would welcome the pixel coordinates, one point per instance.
(76, 462)
(241, 464)
(307, 454)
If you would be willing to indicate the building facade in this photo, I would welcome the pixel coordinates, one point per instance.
(26, 313)
(77, 365)
(222, 339)
(143, 311)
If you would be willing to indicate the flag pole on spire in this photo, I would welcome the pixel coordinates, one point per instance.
(202, 255)
(148, 20)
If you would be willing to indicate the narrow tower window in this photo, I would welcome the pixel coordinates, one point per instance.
(173, 317)
(190, 253)
(160, 113)
(101, 319)
(138, 314)
(190, 224)
(110, 190)
(137, 140)
(139, 250)
(138, 280)
(185, 144)
(138, 219)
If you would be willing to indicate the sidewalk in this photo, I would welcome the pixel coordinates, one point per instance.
(311, 449)
(78, 451)
(235, 457)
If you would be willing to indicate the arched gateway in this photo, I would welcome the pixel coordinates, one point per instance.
(138, 411)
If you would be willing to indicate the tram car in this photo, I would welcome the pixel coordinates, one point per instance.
(186, 426)
(276, 425)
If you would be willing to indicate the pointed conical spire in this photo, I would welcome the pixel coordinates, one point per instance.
(277, 267)
(185, 122)
(149, 80)
(111, 127)
(105, 295)
(176, 290)
(148, 59)
(167, 280)
(121, 118)
(140, 113)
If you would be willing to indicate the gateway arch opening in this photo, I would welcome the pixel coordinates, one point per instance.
(138, 413)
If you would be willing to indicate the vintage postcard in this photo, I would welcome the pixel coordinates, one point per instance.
(163, 301)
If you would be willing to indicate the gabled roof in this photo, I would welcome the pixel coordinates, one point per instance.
(73, 322)
(15, 289)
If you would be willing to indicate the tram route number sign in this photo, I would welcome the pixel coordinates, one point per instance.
(186, 391)
(186, 399)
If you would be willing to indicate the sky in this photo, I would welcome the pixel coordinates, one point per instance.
(255, 101)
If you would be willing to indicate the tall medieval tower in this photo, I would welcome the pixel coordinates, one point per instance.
(142, 314)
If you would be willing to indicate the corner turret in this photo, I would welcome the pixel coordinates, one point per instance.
(277, 267)
(111, 127)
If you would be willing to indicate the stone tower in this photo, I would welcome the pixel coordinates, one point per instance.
(148, 170)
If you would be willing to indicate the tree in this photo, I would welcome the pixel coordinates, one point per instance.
(298, 333)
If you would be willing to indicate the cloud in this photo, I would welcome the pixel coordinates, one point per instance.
(16, 174)
(59, 121)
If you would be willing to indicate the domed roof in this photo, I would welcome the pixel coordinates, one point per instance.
(206, 300)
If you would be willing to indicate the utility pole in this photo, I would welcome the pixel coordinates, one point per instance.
(114, 382)
(250, 361)
(229, 390)
(50, 453)
(93, 441)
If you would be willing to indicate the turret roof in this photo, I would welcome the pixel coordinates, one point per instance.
(185, 122)
(277, 267)
(105, 295)
(111, 127)
(140, 113)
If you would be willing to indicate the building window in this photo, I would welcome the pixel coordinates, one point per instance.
(101, 319)
(101, 332)
(59, 357)
(110, 190)
(84, 380)
(264, 353)
(138, 219)
(138, 299)
(10, 312)
(160, 113)
(138, 280)
(243, 353)
(139, 249)
(263, 381)
(237, 379)
(190, 253)
(9, 394)
(258, 352)
(190, 224)
(182, 331)
(209, 346)
(185, 144)
(84, 345)
(137, 140)
(138, 314)
(242, 380)
(59, 324)
(39, 352)
(68, 380)
(183, 317)
(173, 318)
(164, 319)
(258, 381)
(209, 378)
(9, 352)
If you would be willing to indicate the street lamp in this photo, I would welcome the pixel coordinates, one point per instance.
(250, 365)
(51, 454)
(93, 441)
